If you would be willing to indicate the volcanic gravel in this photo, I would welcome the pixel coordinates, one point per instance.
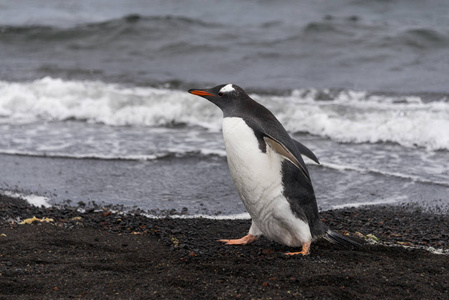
(96, 253)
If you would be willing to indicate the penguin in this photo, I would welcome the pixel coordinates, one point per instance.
(269, 173)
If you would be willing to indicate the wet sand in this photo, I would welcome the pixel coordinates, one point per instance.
(99, 254)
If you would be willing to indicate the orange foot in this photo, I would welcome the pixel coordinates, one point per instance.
(248, 239)
(305, 250)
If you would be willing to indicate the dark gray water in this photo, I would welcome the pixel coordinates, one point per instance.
(93, 104)
(398, 46)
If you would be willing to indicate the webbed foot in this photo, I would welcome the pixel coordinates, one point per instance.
(248, 239)
(305, 250)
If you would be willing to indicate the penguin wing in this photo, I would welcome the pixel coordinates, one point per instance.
(305, 151)
(285, 152)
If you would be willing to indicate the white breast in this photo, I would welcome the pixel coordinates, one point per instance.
(257, 177)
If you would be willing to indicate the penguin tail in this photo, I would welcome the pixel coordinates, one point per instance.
(336, 238)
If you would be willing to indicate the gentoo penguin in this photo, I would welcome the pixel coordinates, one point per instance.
(269, 173)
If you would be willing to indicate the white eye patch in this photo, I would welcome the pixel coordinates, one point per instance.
(227, 88)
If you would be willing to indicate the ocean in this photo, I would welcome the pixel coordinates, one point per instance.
(94, 108)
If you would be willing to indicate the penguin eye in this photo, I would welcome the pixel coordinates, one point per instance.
(220, 94)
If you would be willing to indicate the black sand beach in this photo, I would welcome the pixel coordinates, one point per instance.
(99, 255)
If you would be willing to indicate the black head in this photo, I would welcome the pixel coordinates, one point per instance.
(228, 97)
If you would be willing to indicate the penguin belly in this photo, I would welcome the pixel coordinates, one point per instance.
(257, 176)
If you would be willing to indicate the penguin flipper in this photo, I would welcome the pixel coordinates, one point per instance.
(305, 151)
(283, 150)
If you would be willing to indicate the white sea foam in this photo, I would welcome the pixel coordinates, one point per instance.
(358, 117)
(111, 104)
(351, 116)
(358, 204)
(30, 198)
(383, 172)
(241, 216)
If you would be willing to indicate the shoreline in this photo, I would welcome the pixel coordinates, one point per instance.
(99, 254)
(67, 181)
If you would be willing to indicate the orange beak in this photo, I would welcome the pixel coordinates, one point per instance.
(200, 93)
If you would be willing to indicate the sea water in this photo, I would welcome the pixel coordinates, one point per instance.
(93, 101)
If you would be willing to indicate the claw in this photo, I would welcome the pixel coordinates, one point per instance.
(248, 239)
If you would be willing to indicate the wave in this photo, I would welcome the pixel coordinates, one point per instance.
(111, 23)
(174, 153)
(398, 175)
(346, 116)
(135, 28)
(339, 33)
(358, 117)
(182, 153)
(111, 104)
(130, 26)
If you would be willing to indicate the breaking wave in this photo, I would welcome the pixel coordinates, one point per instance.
(346, 116)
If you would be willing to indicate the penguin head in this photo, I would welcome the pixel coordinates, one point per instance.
(226, 96)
